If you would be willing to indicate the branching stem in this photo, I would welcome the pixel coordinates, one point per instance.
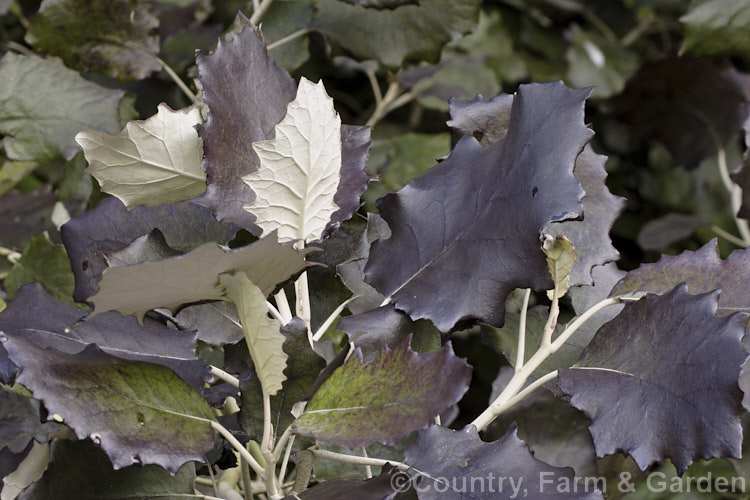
(260, 11)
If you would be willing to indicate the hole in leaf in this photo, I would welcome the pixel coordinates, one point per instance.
(141, 419)
(85, 265)
(534, 192)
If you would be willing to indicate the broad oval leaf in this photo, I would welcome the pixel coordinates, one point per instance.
(116, 38)
(35, 93)
(194, 276)
(398, 392)
(137, 412)
(466, 233)
(717, 28)
(261, 332)
(151, 162)
(448, 463)
(299, 170)
(660, 381)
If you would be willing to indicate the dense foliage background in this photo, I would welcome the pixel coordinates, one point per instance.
(670, 98)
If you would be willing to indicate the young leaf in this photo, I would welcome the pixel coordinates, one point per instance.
(398, 392)
(261, 332)
(151, 162)
(79, 470)
(110, 227)
(665, 359)
(303, 366)
(44, 262)
(115, 38)
(452, 459)
(36, 92)
(466, 233)
(300, 169)
(238, 71)
(561, 257)
(137, 412)
(193, 276)
(702, 270)
(59, 327)
(392, 36)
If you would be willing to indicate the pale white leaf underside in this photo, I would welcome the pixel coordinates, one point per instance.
(299, 170)
(150, 162)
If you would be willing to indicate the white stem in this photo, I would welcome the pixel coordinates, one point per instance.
(281, 442)
(258, 13)
(728, 236)
(368, 468)
(283, 304)
(285, 461)
(520, 351)
(545, 350)
(522, 394)
(266, 443)
(375, 88)
(329, 321)
(554, 312)
(382, 107)
(303, 302)
(735, 196)
(176, 78)
(355, 460)
(275, 313)
(288, 38)
(222, 375)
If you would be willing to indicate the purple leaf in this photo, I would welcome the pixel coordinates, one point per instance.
(466, 233)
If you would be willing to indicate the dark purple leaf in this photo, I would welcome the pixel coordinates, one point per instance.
(355, 145)
(398, 392)
(660, 381)
(453, 460)
(703, 270)
(137, 412)
(686, 103)
(38, 318)
(466, 233)
(25, 215)
(20, 422)
(487, 120)
(376, 488)
(110, 227)
(382, 4)
(247, 95)
(79, 470)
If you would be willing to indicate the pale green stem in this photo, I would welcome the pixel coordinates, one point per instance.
(545, 350)
(292, 36)
(283, 304)
(355, 460)
(381, 108)
(554, 313)
(735, 195)
(176, 78)
(226, 377)
(368, 468)
(247, 483)
(238, 446)
(281, 442)
(728, 236)
(329, 321)
(525, 392)
(285, 461)
(303, 303)
(376, 92)
(521, 350)
(258, 13)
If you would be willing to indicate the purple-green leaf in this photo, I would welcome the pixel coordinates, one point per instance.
(398, 392)
(466, 233)
(458, 465)
(137, 412)
(660, 381)
(20, 422)
(702, 270)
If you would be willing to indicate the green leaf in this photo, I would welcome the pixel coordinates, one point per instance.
(79, 470)
(194, 276)
(137, 412)
(283, 19)
(12, 172)
(561, 256)
(34, 96)
(299, 170)
(411, 32)
(398, 392)
(43, 262)
(717, 28)
(151, 162)
(116, 38)
(261, 332)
